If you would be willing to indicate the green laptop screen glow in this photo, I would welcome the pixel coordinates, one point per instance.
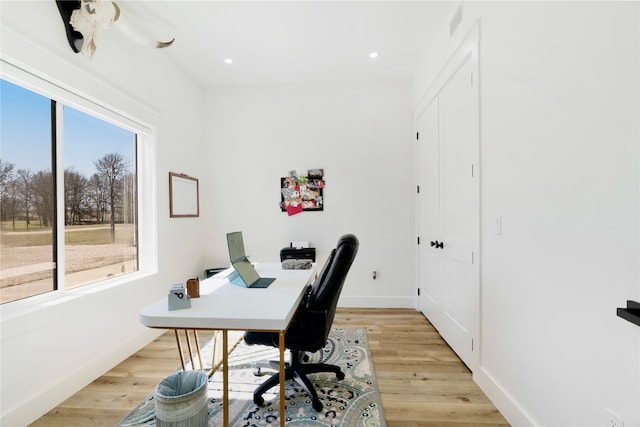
(236, 246)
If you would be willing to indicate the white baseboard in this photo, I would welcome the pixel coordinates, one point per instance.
(51, 395)
(376, 302)
(507, 406)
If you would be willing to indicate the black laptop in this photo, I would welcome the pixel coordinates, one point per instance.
(247, 275)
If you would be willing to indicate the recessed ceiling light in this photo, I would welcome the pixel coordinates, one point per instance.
(228, 61)
(373, 55)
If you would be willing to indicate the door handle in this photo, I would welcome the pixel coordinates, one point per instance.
(433, 243)
(438, 245)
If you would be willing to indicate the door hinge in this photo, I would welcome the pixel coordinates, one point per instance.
(418, 291)
(418, 239)
(418, 189)
(417, 135)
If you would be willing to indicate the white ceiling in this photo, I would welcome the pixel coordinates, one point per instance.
(272, 42)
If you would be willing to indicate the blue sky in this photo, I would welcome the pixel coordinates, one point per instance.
(25, 134)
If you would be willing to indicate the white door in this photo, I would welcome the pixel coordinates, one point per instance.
(448, 221)
(430, 263)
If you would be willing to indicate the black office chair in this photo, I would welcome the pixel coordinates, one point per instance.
(311, 324)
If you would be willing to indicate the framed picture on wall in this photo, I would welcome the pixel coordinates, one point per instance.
(183, 196)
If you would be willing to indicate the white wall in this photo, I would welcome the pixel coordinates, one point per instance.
(360, 134)
(559, 88)
(559, 116)
(52, 348)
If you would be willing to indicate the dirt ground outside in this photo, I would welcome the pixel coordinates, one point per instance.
(28, 270)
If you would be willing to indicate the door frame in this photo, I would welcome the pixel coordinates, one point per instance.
(467, 51)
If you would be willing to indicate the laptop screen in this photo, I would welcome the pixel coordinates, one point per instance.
(236, 246)
(247, 274)
(246, 271)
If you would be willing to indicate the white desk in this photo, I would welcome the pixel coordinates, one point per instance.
(224, 306)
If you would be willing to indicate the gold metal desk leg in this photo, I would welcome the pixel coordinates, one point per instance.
(215, 357)
(189, 349)
(225, 378)
(175, 331)
(195, 336)
(186, 335)
(282, 379)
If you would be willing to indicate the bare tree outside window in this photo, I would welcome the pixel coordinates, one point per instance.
(112, 168)
(75, 197)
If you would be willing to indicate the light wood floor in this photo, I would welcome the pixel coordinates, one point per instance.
(421, 380)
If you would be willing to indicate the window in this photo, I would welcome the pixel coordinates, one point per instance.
(68, 194)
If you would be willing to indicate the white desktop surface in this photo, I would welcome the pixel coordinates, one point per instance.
(223, 305)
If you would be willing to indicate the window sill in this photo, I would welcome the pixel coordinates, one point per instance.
(15, 309)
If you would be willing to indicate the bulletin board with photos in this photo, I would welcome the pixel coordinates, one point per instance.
(302, 193)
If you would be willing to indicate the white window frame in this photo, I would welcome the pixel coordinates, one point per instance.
(146, 184)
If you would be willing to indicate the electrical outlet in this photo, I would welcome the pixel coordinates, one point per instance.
(613, 419)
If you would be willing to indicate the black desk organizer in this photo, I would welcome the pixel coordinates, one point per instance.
(212, 271)
(631, 313)
(298, 253)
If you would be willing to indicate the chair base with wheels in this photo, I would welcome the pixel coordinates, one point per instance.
(297, 370)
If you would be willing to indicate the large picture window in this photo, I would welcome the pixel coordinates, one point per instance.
(68, 196)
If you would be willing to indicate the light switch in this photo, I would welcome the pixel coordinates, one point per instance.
(497, 230)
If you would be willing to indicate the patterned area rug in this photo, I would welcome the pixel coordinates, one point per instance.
(353, 401)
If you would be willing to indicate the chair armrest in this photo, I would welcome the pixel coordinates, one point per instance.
(306, 298)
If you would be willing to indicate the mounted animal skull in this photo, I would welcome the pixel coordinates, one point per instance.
(84, 20)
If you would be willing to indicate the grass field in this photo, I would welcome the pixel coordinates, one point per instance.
(21, 226)
(74, 235)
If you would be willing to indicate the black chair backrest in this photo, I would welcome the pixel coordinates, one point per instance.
(326, 290)
(322, 276)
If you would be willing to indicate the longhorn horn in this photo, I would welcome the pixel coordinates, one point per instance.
(134, 34)
(66, 8)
